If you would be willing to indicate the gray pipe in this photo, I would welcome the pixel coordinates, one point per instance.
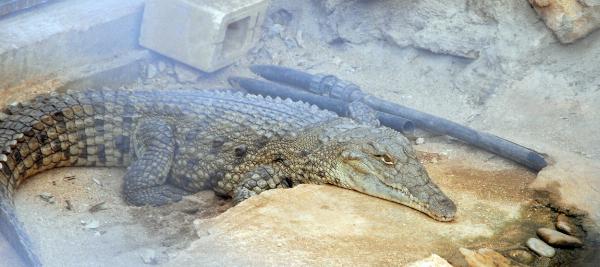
(331, 86)
(340, 107)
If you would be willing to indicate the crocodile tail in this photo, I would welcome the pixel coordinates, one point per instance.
(29, 144)
(10, 227)
(13, 230)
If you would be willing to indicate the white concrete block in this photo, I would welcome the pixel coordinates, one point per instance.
(205, 34)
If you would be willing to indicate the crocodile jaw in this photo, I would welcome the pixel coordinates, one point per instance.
(427, 198)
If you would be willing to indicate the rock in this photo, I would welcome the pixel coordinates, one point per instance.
(420, 141)
(97, 207)
(564, 225)
(162, 66)
(151, 71)
(300, 38)
(149, 256)
(316, 225)
(282, 17)
(276, 30)
(432, 261)
(98, 182)
(93, 224)
(570, 20)
(590, 2)
(430, 25)
(521, 256)
(541, 248)
(330, 5)
(484, 257)
(290, 43)
(337, 61)
(48, 197)
(541, 3)
(185, 74)
(436, 38)
(558, 239)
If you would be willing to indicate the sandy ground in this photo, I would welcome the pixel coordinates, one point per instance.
(122, 234)
(533, 91)
(495, 210)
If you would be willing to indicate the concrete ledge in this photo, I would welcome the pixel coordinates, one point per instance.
(10, 6)
(204, 34)
(119, 71)
(47, 42)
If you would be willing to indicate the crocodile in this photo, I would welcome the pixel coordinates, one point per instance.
(178, 142)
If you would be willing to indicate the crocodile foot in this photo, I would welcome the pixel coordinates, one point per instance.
(156, 196)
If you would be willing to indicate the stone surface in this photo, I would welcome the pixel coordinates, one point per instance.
(207, 35)
(426, 25)
(151, 71)
(324, 225)
(564, 224)
(574, 184)
(185, 74)
(570, 20)
(485, 257)
(541, 248)
(10, 6)
(558, 239)
(331, 5)
(590, 2)
(432, 261)
(521, 256)
(42, 44)
(149, 256)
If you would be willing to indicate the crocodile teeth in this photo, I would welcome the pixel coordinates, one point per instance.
(3, 158)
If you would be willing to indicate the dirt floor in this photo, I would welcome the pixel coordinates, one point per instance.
(496, 210)
(523, 86)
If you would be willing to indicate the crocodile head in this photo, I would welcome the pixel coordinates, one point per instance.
(381, 162)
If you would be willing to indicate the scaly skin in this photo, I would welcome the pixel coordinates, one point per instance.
(177, 142)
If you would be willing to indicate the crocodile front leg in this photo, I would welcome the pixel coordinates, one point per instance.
(261, 179)
(145, 179)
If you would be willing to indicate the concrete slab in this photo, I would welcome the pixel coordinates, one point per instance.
(205, 34)
(41, 45)
(116, 72)
(10, 6)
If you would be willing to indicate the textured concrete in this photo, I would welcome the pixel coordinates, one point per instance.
(570, 20)
(10, 6)
(205, 34)
(46, 42)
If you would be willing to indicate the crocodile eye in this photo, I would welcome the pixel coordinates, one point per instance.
(387, 159)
